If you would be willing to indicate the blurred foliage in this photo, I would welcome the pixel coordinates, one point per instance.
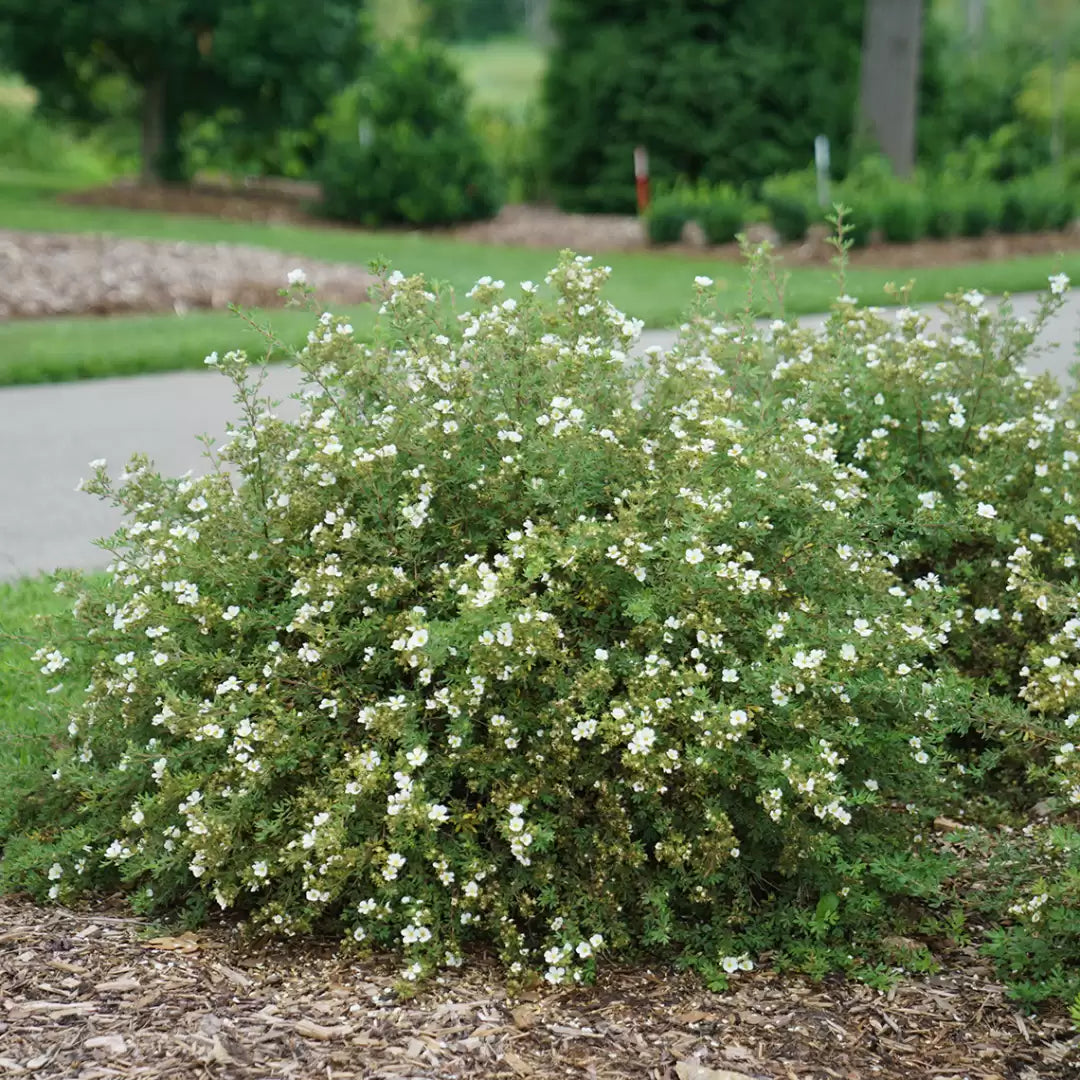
(512, 139)
(724, 92)
(476, 20)
(400, 146)
(176, 61)
(1035, 103)
(30, 145)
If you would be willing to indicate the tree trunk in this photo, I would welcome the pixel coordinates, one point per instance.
(888, 105)
(162, 159)
(153, 126)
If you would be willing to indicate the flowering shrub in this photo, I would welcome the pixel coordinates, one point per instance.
(512, 640)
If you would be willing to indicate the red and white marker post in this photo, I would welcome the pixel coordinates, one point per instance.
(641, 177)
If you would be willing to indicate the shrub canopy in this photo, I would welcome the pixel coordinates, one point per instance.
(511, 640)
(401, 148)
(733, 91)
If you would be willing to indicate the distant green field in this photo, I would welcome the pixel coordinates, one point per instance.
(504, 73)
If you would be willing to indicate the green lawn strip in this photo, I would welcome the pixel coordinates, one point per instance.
(63, 349)
(29, 717)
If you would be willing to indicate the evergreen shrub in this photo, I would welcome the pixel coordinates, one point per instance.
(400, 147)
(902, 214)
(981, 208)
(731, 92)
(722, 214)
(667, 215)
(512, 641)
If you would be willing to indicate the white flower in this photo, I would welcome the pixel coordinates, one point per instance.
(230, 613)
(702, 281)
(601, 654)
(1059, 283)
(56, 872)
(297, 277)
(986, 510)
(416, 756)
(259, 869)
(694, 556)
(928, 499)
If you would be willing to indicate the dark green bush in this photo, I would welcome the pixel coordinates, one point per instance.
(861, 217)
(1019, 213)
(945, 210)
(730, 92)
(981, 209)
(790, 217)
(667, 215)
(902, 215)
(791, 200)
(722, 213)
(400, 147)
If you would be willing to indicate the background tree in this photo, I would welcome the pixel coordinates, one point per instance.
(889, 95)
(277, 62)
(732, 90)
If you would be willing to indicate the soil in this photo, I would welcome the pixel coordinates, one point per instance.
(46, 274)
(548, 227)
(97, 995)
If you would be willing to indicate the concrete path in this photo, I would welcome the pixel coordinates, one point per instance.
(49, 433)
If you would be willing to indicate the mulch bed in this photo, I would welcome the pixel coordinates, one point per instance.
(545, 226)
(47, 274)
(97, 995)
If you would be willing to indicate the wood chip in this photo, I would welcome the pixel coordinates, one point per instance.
(123, 985)
(308, 1029)
(692, 1070)
(113, 1045)
(185, 943)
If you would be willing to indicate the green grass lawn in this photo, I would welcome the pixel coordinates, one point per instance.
(29, 717)
(653, 286)
(59, 350)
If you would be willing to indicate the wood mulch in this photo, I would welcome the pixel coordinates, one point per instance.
(49, 274)
(99, 995)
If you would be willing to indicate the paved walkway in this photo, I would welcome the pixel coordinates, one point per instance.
(49, 433)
